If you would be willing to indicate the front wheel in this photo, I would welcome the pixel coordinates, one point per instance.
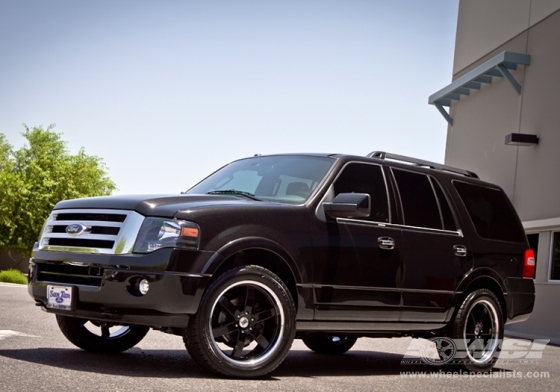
(245, 324)
(101, 337)
(478, 331)
(329, 344)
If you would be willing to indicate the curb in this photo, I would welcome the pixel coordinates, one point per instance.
(6, 284)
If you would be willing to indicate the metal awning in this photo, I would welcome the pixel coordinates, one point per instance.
(497, 66)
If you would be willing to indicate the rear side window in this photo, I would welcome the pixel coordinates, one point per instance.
(491, 212)
(419, 203)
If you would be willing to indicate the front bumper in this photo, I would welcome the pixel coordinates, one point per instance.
(103, 285)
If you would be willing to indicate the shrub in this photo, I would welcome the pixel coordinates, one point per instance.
(13, 276)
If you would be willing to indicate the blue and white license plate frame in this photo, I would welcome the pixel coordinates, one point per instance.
(60, 297)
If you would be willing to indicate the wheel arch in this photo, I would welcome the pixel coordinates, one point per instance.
(257, 251)
(481, 279)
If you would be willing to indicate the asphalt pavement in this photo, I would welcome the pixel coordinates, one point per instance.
(34, 355)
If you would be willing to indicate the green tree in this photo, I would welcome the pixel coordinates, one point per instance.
(37, 176)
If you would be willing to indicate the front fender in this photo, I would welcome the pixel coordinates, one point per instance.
(241, 244)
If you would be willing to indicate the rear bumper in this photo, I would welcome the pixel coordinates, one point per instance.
(520, 299)
(103, 285)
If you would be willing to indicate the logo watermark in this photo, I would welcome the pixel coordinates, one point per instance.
(439, 351)
(473, 375)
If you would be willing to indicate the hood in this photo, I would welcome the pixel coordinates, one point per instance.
(153, 205)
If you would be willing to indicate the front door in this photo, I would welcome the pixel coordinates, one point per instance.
(358, 262)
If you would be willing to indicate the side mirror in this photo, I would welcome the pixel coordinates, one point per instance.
(349, 205)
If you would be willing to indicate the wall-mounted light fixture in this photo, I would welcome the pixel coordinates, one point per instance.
(521, 139)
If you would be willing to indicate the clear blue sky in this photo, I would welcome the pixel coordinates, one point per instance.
(168, 91)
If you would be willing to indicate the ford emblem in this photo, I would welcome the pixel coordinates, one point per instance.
(76, 229)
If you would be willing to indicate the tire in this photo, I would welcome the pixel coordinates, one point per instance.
(245, 325)
(329, 344)
(100, 337)
(478, 331)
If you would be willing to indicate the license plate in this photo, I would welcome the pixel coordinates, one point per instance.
(59, 297)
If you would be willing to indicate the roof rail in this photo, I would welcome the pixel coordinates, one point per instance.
(419, 162)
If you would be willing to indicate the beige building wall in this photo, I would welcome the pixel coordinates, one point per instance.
(483, 119)
(484, 25)
(476, 141)
(537, 193)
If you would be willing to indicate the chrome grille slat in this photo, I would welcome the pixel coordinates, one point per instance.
(87, 223)
(85, 236)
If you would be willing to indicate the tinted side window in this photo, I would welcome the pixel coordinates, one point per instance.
(491, 212)
(364, 178)
(418, 200)
(447, 216)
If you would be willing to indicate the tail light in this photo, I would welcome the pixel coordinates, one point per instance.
(529, 265)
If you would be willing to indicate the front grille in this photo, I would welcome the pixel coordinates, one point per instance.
(70, 274)
(91, 231)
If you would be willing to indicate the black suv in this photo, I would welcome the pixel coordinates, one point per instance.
(326, 248)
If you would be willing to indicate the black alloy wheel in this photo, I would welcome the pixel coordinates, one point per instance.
(99, 336)
(245, 325)
(478, 330)
(329, 343)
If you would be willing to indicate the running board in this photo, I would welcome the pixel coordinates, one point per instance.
(342, 326)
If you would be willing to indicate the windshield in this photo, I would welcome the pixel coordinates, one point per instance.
(285, 179)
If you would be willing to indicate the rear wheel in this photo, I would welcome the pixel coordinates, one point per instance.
(329, 344)
(478, 331)
(99, 336)
(245, 324)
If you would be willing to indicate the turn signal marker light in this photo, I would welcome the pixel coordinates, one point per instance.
(189, 232)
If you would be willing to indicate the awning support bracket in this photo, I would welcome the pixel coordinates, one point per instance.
(497, 66)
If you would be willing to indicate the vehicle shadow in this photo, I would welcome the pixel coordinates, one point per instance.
(178, 364)
(132, 363)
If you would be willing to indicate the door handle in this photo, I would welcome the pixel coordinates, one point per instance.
(386, 243)
(460, 250)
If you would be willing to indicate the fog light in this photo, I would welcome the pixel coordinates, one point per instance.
(143, 287)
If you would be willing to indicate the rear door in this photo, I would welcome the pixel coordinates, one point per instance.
(436, 256)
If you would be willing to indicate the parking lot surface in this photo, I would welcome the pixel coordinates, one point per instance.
(34, 355)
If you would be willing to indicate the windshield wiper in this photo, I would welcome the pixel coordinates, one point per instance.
(234, 192)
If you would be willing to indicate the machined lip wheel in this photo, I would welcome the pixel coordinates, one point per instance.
(481, 332)
(325, 343)
(106, 330)
(246, 323)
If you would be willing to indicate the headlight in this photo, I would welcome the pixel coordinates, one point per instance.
(157, 233)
